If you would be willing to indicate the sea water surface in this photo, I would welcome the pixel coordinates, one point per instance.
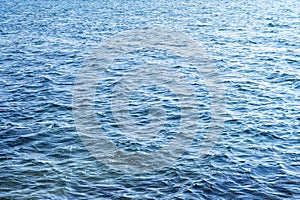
(255, 45)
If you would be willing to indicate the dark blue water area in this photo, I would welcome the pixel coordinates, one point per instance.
(256, 48)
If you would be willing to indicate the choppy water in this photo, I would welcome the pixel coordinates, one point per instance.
(256, 47)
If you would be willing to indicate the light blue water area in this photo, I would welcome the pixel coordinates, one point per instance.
(254, 44)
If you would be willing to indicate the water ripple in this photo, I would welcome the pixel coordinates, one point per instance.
(255, 46)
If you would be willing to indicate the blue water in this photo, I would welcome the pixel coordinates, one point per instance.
(256, 48)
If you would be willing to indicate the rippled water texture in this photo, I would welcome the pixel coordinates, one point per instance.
(255, 46)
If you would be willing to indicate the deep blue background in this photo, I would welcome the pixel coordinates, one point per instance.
(256, 47)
